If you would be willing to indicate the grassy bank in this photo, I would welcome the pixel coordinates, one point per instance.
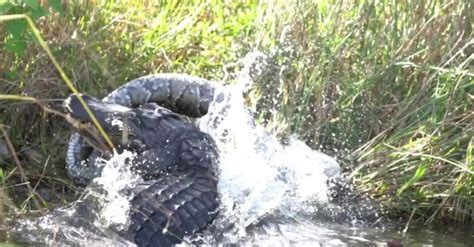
(387, 88)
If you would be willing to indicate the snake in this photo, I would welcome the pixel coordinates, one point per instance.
(178, 162)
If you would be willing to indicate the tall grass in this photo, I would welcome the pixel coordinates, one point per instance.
(385, 86)
(395, 81)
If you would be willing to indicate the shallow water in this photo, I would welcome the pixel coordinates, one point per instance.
(271, 195)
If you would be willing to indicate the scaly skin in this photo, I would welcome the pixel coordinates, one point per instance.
(181, 94)
(177, 160)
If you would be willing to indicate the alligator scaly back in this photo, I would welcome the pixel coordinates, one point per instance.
(180, 196)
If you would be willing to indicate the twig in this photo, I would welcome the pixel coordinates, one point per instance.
(63, 75)
(41, 178)
(91, 136)
(18, 164)
(405, 230)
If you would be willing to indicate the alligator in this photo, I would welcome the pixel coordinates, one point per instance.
(178, 162)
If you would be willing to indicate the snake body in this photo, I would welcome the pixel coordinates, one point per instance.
(178, 161)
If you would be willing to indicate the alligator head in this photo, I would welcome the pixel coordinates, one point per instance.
(162, 139)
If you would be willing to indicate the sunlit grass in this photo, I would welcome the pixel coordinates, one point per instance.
(393, 82)
(386, 87)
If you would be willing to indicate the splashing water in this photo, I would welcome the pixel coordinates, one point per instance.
(94, 218)
(270, 193)
(258, 174)
(260, 179)
(117, 177)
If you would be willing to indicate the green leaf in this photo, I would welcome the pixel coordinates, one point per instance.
(34, 4)
(16, 46)
(17, 27)
(37, 13)
(56, 5)
(420, 172)
(5, 6)
(2, 177)
(11, 75)
(470, 156)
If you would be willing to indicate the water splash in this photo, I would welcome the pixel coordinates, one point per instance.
(116, 178)
(260, 177)
(257, 171)
(112, 193)
(268, 190)
(95, 218)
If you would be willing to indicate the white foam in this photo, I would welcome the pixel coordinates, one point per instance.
(116, 177)
(258, 174)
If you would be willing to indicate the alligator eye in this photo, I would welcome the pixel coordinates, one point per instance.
(188, 159)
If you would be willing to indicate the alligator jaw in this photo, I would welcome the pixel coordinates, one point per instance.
(111, 117)
(103, 111)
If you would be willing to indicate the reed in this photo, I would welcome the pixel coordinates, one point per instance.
(385, 86)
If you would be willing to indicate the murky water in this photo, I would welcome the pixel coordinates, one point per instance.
(271, 195)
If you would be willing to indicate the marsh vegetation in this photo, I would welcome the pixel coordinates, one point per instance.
(385, 87)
